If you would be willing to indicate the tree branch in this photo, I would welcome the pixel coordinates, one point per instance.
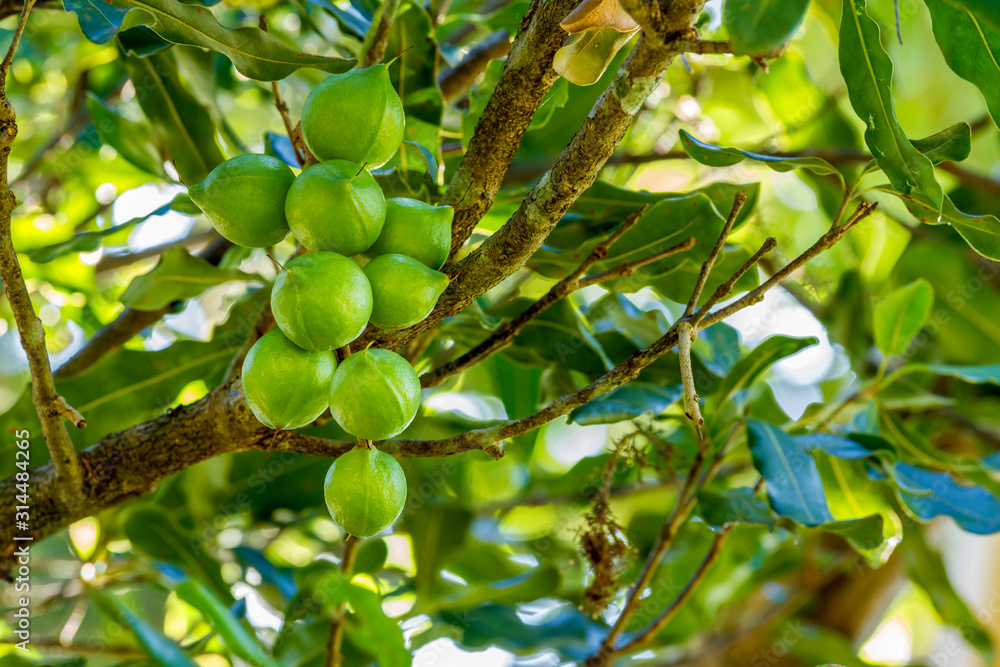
(527, 77)
(50, 406)
(706, 267)
(378, 34)
(509, 330)
(457, 81)
(128, 324)
(336, 636)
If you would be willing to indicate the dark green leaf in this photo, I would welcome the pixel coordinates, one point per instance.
(715, 156)
(762, 27)
(762, 357)
(255, 53)
(178, 275)
(154, 532)
(981, 232)
(183, 126)
(99, 21)
(863, 534)
(926, 569)
(437, 532)
(844, 448)
(952, 144)
(984, 10)
(867, 71)
(792, 480)
(371, 555)
(236, 637)
(133, 141)
(532, 585)
(740, 505)
(931, 494)
(626, 402)
(901, 315)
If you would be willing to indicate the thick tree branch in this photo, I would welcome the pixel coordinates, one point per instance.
(378, 34)
(457, 81)
(526, 77)
(50, 406)
(129, 323)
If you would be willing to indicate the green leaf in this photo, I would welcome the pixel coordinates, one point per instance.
(971, 49)
(981, 232)
(133, 141)
(368, 626)
(989, 374)
(901, 315)
(984, 10)
(762, 357)
(627, 402)
(413, 40)
(740, 505)
(90, 241)
(867, 71)
(437, 532)
(371, 555)
(532, 585)
(931, 494)
(863, 534)
(762, 27)
(162, 650)
(926, 569)
(715, 156)
(236, 637)
(183, 126)
(790, 474)
(99, 21)
(853, 496)
(845, 448)
(155, 533)
(255, 54)
(952, 144)
(177, 276)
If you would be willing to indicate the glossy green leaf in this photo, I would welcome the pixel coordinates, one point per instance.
(163, 651)
(627, 402)
(437, 532)
(99, 20)
(927, 570)
(178, 275)
(133, 141)
(790, 474)
(844, 448)
(532, 585)
(864, 533)
(901, 315)
(740, 505)
(413, 41)
(371, 555)
(867, 71)
(715, 156)
(971, 47)
(931, 494)
(758, 360)
(981, 232)
(183, 127)
(155, 533)
(988, 374)
(762, 27)
(236, 637)
(90, 241)
(853, 497)
(255, 54)
(952, 144)
(984, 10)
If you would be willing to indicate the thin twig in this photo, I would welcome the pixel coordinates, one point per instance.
(626, 269)
(826, 241)
(336, 636)
(378, 34)
(725, 288)
(50, 406)
(574, 281)
(686, 334)
(675, 605)
(706, 268)
(279, 104)
(457, 81)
